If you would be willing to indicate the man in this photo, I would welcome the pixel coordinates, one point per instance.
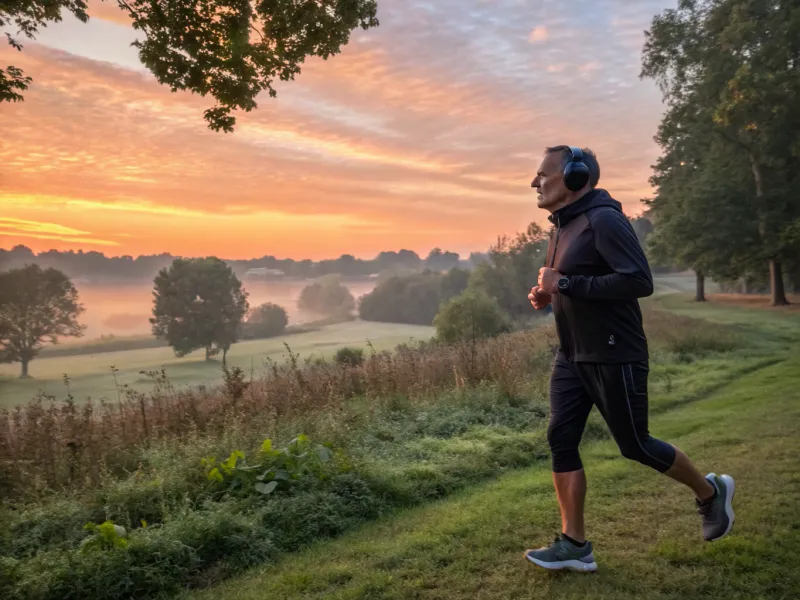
(594, 273)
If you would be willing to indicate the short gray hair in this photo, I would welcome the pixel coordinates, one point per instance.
(589, 159)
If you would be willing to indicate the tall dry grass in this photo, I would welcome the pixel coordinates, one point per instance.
(52, 444)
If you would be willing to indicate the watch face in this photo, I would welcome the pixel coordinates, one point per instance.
(563, 283)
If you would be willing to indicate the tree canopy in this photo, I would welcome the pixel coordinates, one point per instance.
(231, 50)
(729, 71)
(36, 306)
(198, 303)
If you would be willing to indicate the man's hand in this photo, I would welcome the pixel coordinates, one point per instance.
(548, 280)
(539, 299)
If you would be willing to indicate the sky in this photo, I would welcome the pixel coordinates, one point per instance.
(424, 132)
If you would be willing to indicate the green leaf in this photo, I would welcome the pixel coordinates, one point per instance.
(215, 475)
(281, 475)
(266, 488)
(266, 447)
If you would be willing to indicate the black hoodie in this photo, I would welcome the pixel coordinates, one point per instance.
(598, 318)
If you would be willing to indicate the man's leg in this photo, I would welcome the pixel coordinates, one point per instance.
(620, 392)
(570, 406)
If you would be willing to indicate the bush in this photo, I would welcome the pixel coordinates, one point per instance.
(471, 315)
(327, 297)
(349, 356)
(267, 320)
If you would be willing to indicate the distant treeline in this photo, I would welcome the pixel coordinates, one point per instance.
(96, 265)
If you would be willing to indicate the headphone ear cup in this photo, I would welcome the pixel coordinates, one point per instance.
(576, 176)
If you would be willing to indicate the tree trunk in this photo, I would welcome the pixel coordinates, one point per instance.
(700, 294)
(776, 284)
(775, 272)
(24, 374)
(224, 357)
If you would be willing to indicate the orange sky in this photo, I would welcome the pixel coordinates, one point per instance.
(424, 132)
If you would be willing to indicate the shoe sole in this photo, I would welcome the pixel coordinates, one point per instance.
(730, 487)
(570, 565)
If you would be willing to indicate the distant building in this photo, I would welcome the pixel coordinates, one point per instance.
(264, 273)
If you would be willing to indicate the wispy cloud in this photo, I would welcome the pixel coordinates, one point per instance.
(22, 228)
(432, 131)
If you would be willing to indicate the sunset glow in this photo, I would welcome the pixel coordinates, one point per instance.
(424, 132)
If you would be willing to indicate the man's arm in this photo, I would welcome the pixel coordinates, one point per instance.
(617, 243)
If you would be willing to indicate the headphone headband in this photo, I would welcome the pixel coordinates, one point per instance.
(577, 154)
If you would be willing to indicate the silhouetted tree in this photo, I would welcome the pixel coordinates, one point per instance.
(198, 303)
(36, 306)
(266, 320)
(232, 50)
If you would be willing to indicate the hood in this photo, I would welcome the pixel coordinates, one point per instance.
(594, 199)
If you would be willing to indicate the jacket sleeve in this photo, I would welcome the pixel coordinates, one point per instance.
(617, 243)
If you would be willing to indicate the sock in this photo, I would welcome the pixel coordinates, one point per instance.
(572, 541)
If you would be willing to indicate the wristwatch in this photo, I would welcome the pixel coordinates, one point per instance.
(563, 284)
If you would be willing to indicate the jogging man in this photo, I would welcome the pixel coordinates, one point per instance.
(594, 274)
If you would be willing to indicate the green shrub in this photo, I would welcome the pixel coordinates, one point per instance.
(349, 356)
(472, 315)
(266, 320)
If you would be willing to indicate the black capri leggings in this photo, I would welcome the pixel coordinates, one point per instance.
(620, 393)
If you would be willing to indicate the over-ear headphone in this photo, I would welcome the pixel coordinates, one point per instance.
(576, 173)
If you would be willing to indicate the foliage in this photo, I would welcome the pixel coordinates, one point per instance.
(266, 320)
(512, 270)
(107, 537)
(349, 356)
(232, 50)
(198, 303)
(729, 75)
(470, 316)
(96, 265)
(437, 260)
(327, 297)
(269, 469)
(35, 306)
(413, 299)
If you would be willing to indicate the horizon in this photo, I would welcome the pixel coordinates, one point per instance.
(424, 132)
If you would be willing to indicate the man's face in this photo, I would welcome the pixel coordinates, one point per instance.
(549, 182)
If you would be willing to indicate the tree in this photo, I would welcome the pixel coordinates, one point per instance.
(36, 306)
(412, 299)
(512, 270)
(730, 69)
(230, 49)
(470, 316)
(441, 261)
(266, 320)
(701, 220)
(327, 297)
(198, 303)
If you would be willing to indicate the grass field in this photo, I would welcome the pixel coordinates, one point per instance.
(90, 374)
(740, 414)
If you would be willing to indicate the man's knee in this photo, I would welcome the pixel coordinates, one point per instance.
(651, 453)
(563, 449)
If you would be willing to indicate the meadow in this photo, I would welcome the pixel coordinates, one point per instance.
(90, 374)
(437, 478)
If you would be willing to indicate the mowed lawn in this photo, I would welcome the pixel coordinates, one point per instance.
(90, 374)
(644, 526)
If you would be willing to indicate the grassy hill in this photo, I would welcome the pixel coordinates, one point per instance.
(644, 527)
(440, 478)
